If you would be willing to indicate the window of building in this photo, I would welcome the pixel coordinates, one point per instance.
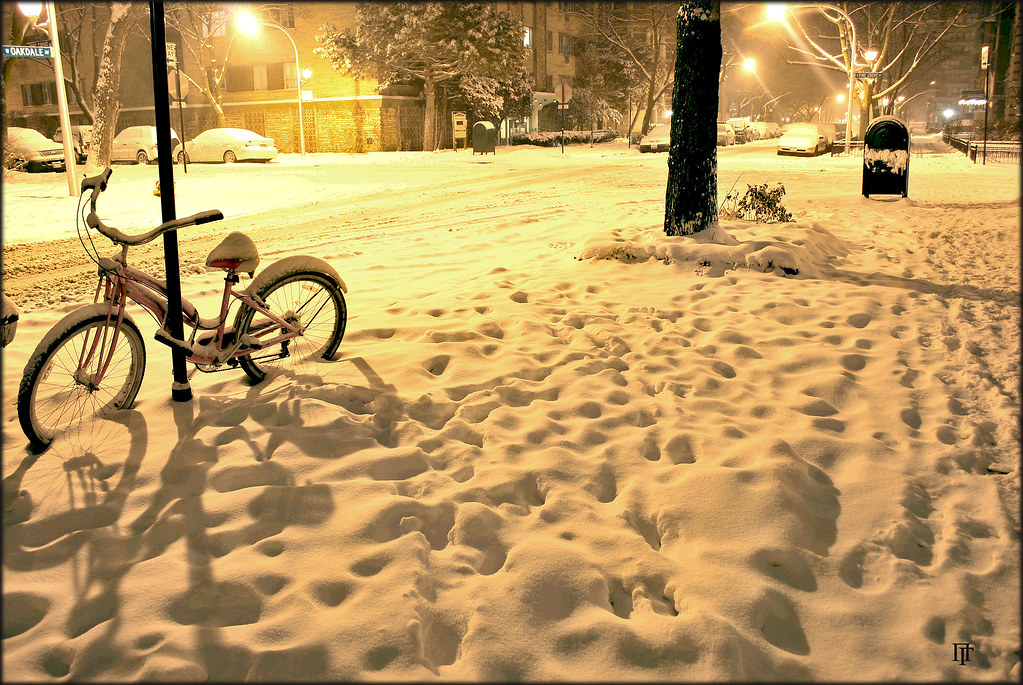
(282, 14)
(550, 42)
(275, 76)
(249, 77)
(36, 94)
(239, 78)
(564, 44)
(528, 39)
(549, 84)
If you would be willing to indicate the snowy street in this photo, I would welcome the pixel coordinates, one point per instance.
(557, 444)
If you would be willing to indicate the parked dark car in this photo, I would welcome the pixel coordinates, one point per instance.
(81, 139)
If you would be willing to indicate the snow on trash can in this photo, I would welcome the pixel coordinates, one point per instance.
(886, 158)
(484, 138)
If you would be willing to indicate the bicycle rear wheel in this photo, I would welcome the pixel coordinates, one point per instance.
(309, 298)
(56, 395)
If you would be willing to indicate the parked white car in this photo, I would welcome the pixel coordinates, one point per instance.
(226, 145)
(31, 150)
(726, 136)
(760, 130)
(138, 144)
(657, 139)
(743, 129)
(802, 139)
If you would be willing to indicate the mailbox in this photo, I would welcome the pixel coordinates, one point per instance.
(484, 138)
(458, 124)
(886, 158)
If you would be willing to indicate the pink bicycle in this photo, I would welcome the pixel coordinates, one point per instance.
(93, 360)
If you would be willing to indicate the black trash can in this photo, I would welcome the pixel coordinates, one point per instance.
(484, 138)
(886, 158)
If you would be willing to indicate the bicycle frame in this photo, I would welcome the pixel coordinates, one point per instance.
(119, 284)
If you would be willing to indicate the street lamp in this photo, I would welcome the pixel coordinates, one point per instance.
(776, 11)
(32, 12)
(249, 25)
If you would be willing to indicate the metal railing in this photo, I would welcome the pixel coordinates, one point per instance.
(998, 151)
(855, 149)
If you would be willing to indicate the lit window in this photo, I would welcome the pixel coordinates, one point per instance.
(528, 39)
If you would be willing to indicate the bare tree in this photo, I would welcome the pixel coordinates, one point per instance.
(80, 23)
(107, 101)
(642, 33)
(691, 197)
(905, 34)
(202, 26)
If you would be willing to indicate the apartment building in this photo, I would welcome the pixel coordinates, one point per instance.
(260, 89)
(551, 36)
(265, 79)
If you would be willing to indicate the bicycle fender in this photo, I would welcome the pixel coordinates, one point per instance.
(290, 265)
(72, 318)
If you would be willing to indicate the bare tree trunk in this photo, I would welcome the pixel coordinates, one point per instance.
(429, 115)
(690, 202)
(123, 16)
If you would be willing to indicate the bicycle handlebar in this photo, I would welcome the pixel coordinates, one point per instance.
(98, 184)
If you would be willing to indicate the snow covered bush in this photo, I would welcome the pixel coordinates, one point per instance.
(758, 204)
(553, 138)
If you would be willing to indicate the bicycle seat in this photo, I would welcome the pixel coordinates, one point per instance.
(236, 252)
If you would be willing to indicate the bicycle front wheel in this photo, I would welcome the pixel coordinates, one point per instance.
(309, 299)
(59, 391)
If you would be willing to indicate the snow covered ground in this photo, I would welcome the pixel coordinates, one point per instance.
(557, 444)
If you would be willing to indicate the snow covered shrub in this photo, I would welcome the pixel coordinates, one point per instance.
(11, 162)
(758, 204)
(553, 138)
(1006, 129)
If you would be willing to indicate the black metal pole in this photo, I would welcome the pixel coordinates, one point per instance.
(181, 391)
(562, 110)
(181, 115)
(987, 80)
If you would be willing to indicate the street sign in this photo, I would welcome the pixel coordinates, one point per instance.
(868, 74)
(172, 54)
(307, 96)
(28, 51)
(564, 93)
(983, 57)
(172, 86)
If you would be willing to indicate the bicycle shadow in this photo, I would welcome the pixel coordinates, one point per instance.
(103, 551)
(208, 604)
(53, 492)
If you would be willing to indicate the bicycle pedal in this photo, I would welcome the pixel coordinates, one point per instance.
(170, 341)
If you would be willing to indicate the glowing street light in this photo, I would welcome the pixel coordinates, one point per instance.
(776, 12)
(249, 25)
(750, 64)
